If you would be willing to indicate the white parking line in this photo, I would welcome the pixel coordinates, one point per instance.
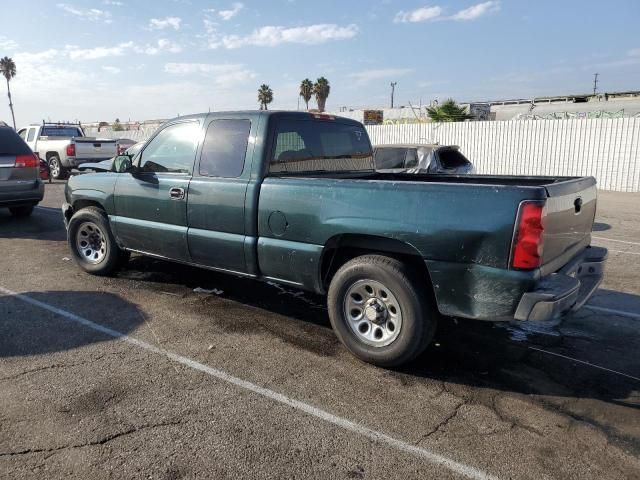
(622, 251)
(584, 362)
(617, 241)
(376, 436)
(614, 311)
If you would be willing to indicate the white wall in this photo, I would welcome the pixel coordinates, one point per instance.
(604, 148)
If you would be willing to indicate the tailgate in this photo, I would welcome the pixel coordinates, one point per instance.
(95, 149)
(570, 212)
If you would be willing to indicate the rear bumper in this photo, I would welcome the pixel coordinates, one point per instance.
(75, 161)
(566, 290)
(21, 193)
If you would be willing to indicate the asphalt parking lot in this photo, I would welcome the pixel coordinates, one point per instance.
(168, 372)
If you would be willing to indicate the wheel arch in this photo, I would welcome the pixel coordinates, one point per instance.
(342, 248)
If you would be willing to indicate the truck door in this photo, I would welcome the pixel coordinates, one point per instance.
(151, 202)
(216, 207)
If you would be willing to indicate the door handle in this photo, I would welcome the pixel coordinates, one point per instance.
(176, 193)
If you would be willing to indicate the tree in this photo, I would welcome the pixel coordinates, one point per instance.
(321, 90)
(8, 69)
(117, 126)
(265, 96)
(449, 111)
(306, 91)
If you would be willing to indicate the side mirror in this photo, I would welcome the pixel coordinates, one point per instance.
(122, 164)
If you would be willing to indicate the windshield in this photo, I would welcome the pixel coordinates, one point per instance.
(390, 158)
(320, 146)
(60, 132)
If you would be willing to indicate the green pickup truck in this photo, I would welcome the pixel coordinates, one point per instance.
(294, 198)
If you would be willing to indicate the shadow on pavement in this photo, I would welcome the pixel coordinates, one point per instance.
(30, 330)
(482, 354)
(601, 227)
(44, 224)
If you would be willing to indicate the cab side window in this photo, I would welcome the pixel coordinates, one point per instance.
(173, 150)
(31, 135)
(225, 148)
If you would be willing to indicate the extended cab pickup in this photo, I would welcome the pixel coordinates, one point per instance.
(294, 198)
(65, 146)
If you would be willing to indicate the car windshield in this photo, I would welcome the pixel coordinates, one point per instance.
(60, 132)
(389, 158)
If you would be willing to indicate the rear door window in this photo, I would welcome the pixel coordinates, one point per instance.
(450, 158)
(11, 143)
(225, 148)
(320, 146)
(31, 135)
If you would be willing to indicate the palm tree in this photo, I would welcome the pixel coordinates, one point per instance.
(8, 69)
(321, 90)
(306, 91)
(265, 96)
(449, 111)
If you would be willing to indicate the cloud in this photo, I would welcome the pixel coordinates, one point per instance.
(7, 43)
(110, 69)
(167, 22)
(368, 76)
(634, 52)
(476, 11)
(115, 3)
(436, 13)
(232, 12)
(418, 15)
(163, 45)
(222, 75)
(91, 14)
(271, 36)
(98, 52)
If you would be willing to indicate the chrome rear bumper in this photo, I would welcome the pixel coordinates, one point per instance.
(566, 290)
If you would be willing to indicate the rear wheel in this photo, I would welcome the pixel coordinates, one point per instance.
(381, 310)
(92, 243)
(57, 170)
(23, 211)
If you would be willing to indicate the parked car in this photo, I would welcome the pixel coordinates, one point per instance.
(293, 198)
(123, 144)
(422, 158)
(20, 186)
(107, 165)
(65, 146)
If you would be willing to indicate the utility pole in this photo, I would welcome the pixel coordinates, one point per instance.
(393, 89)
(595, 82)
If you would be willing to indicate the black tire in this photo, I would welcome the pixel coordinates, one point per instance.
(56, 169)
(112, 257)
(22, 211)
(419, 317)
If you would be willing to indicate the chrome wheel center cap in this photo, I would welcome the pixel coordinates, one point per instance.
(375, 311)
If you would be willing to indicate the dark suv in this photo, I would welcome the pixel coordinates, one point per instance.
(20, 186)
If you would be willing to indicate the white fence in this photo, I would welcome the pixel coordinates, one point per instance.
(604, 148)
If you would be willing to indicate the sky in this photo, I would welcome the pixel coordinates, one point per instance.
(97, 60)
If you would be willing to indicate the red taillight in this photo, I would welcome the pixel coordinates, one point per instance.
(71, 150)
(527, 248)
(27, 161)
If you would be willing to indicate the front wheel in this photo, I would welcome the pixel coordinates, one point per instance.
(92, 243)
(381, 310)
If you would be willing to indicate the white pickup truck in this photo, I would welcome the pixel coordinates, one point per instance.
(65, 146)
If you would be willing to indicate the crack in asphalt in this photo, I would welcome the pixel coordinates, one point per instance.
(58, 365)
(100, 441)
